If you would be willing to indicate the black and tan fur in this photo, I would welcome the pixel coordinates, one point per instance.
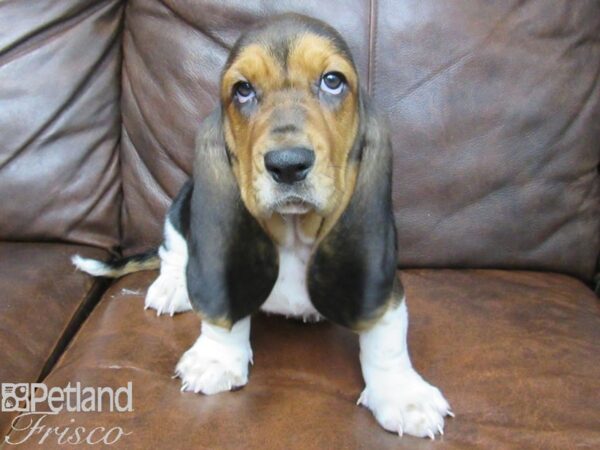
(232, 237)
(321, 242)
(233, 261)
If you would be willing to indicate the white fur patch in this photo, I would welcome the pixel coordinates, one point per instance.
(289, 296)
(401, 401)
(218, 360)
(91, 266)
(168, 293)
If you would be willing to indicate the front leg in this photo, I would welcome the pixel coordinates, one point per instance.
(400, 399)
(231, 268)
(218, 360)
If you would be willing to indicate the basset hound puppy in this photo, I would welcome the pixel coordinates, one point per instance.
(289, 211)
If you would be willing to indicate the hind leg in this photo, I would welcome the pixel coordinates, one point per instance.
(168, 294)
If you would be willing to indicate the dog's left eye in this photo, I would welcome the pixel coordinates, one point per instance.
(332, 83)
(243, 91)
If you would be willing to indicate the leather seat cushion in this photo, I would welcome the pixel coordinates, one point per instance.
(42, 297)
(514, 352)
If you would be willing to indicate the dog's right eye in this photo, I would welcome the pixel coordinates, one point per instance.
(243, 91)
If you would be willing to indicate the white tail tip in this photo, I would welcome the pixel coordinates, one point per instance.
(91, 266)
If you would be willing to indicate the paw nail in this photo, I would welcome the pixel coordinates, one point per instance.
(431, 435)
(450, 413)
(441, 430)
(360, 398)
(400, 432)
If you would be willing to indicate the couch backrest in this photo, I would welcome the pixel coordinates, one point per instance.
(59, 120)
(494, 107)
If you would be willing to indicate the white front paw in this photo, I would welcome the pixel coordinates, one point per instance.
(168, 294)
(210, 368)
(405, 403)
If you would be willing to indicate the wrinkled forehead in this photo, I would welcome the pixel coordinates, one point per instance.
(279, 35)
(289, 46)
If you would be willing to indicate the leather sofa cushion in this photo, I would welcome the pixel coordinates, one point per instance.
(60, 120)
(514, 352)
(42, 300)
(493, 106)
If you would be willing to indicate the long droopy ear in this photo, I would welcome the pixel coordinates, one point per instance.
(232, 263)
(351, 277)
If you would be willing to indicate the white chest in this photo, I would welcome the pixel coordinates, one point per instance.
(289, 296)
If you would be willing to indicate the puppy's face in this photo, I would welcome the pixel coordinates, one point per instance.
(290, 106)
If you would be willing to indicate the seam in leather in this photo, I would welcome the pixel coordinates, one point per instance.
(372, 45)
(79, 317)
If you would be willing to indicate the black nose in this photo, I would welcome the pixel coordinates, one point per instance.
(289, 165)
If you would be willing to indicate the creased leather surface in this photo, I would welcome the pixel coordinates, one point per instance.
(59, 120)
(494, 108)
(514, 352)
(496, 123)
(40, 293)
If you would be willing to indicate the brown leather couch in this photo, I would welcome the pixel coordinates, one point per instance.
(495, 111)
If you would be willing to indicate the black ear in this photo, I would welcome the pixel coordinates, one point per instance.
(351, 277)
(232, 263)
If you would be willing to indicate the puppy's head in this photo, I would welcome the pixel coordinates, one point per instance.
(290, 102)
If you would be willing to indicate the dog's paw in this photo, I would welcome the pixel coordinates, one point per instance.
(405, 403)
(210, 368)
(168, 295)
